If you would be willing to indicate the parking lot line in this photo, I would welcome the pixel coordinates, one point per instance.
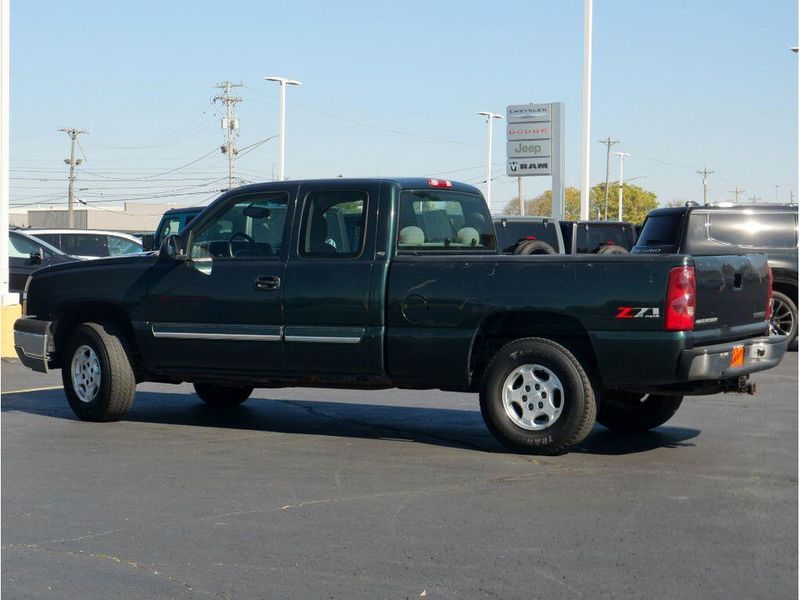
(38, 389)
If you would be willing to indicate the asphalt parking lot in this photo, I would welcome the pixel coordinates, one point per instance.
(304, 493)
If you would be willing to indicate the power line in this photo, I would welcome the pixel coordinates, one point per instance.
(195, 161)
(736, 191)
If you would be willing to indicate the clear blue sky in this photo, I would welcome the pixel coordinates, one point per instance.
(393, 88)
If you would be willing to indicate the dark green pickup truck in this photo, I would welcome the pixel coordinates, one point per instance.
(378, 283)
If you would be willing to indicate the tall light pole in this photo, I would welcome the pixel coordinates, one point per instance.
(5, 48)
(282, 82)
(587, 107)
(489, 116)
(622, 156)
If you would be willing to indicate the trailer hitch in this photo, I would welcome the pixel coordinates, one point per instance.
(739, 385)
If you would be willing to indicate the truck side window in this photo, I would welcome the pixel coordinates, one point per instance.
(333, 224)
(251, 227)
(758, 230)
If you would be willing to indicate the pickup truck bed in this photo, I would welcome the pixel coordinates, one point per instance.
(399, 283)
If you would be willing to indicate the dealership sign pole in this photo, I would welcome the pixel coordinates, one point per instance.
(535, 146)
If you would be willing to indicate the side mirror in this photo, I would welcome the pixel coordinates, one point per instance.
(171, 248)
(37, 257)
(148, 242)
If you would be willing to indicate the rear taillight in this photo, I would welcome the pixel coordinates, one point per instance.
(681, 299)
(769, 294)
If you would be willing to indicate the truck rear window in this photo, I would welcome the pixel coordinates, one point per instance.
(511, 232)
(590, 238)
(660, 232)
(439, 220)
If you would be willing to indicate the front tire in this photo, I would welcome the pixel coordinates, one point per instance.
(632, 412)
(97, 373)
(222, 396)
(537, 398)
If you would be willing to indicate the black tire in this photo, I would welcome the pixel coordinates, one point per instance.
(577, 411)
(785, 321)
(534, 247)
(113, 396)
(632, 412)
(222, 396)
(612, 249)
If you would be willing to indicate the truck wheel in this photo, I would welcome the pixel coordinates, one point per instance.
(631, 412)
(222, 396)
(783, 317)
(534, 247)
(97, 374)
(537, 398)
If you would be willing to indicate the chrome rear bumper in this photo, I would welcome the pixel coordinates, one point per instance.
(714, 362)
(33, 342)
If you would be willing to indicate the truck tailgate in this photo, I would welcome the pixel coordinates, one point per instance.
(731, 290)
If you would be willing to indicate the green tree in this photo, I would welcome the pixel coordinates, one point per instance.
(636, 203)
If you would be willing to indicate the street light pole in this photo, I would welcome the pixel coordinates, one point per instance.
(622, 156)
(282, 82)
(587, 107)
(489, 116)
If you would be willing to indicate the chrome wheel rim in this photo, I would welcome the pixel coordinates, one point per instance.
(533, 397)
(86, 373)
(781, 320)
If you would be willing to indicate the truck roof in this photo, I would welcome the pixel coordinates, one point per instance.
(403, 182)
(692, 207)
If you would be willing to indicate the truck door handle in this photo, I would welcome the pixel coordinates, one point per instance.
(267, 282)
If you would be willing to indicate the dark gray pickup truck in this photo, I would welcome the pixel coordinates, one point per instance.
(378, 283)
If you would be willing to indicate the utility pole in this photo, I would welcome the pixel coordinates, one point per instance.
(791, 196)
(72, 162)
(736, 191)
(776, 192)
(622, 156)
(489, 116)
(230, 122)
(608, 142)
(705, 173)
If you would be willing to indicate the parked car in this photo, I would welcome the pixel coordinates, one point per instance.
(598, 237)
(381, 283)
(89, 243)
(528, 235)
(26, 254)
(770, 229)
(172, 222)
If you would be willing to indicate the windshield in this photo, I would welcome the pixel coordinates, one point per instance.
(660, 233)
(440, 220)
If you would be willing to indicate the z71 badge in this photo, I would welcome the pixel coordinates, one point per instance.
(637, 312)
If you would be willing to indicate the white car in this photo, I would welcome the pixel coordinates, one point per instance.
(89, 243)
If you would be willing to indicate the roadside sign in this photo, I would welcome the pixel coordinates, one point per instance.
(520, 167)
(528, 149)
(535, 145)
(526, 113)
(528, 131)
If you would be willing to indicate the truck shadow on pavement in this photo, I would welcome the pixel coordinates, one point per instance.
(445, 427)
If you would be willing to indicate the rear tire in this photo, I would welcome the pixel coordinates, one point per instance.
(783, 317)
(537, 398)
(534, 247)
(612, 249)
(632, 412)
(97, 373)
(222, 396)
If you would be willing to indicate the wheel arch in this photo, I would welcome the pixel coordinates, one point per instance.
(69, 315)
(498, 329)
